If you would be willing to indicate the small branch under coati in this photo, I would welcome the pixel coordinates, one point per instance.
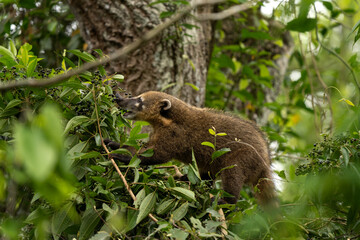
(112, 160)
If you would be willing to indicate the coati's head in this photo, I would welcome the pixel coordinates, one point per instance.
(150, 106)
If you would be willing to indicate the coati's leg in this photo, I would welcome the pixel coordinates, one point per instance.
(232, 182)
(153, 160)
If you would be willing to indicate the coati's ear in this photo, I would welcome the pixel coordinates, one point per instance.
(165, 104)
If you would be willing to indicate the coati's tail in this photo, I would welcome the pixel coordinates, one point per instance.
(265, 192)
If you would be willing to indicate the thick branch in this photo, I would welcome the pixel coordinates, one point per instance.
(120, 53)
(226, 13)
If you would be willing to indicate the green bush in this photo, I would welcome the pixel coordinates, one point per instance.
(55, 177)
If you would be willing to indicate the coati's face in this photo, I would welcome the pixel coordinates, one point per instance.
(146, 107)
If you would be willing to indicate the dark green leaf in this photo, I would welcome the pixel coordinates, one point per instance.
(302, 25)
(89, 222)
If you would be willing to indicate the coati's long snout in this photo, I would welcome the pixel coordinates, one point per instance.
(131, 106)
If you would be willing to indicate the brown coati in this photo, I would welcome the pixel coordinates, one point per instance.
(179, 128)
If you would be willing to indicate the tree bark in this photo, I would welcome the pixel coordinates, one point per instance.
(175, 61)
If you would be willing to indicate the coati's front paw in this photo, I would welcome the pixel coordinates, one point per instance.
(113, 145)
(120, 157)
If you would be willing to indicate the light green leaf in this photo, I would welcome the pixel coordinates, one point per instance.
(345, 154)
(139, 197)
(12, 48)
(209, 144)
(212, 132)
(92, 154)
(221, 134)
(180, 212)
(62, 219)
(118, 77)
(31, 67)
(6, 53)
(35, 152)
(193, 86)
(102, 235)
(165, 207)
(146, 206)
(347, 101)
(83, 55)
(184, 193)
(13, 103)
(219, 153)
(7, 57)
(74, 122)
(89, 221)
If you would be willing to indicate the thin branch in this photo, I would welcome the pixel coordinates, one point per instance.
(118, 54)
(357, 84)
(113, 161)
(226, 13)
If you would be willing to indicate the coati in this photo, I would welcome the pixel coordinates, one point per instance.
(179, 128)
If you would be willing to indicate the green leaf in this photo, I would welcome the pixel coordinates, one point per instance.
(7, 57)
(139, 197)
(118, 77)
(184, 193)
(166, 14)
(180, 212)
(146, 206)
(345, 154)
(13, 103)
(35, 152)
(83, 55)
(347, 101)
(212, 132)
(62, 219)
(89, 221)
(302, 25)
(102, 235)
(27, 4)
(209, 144)
(193, 86)
(12, 48)
(221, 134)
(31, 67)
(74, 122)
(148, 153)
(219, 153)
(122, 151)
(165, 207)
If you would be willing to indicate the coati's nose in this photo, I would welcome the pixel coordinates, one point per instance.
(118, 98)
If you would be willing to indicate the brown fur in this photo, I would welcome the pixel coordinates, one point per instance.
(181, 128)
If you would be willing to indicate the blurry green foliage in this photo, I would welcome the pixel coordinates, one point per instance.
(57, 182)
(48, 25)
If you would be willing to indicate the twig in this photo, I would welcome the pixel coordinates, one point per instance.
(226, 13)
(113, 161)
(118, 54)
(336, 55)
(177, 171)
(108, 152)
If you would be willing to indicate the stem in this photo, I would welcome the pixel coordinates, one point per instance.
(112, 160)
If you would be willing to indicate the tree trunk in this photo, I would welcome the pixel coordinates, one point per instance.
(177, 60)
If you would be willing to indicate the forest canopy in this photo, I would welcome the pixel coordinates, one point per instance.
(290, 66)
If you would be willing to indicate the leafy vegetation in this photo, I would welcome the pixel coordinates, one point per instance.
(56, 180)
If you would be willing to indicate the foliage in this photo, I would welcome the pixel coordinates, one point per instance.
(51, 143)
(48, 25)
(56, 180)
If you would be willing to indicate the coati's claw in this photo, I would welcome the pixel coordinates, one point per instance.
(113, 145)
